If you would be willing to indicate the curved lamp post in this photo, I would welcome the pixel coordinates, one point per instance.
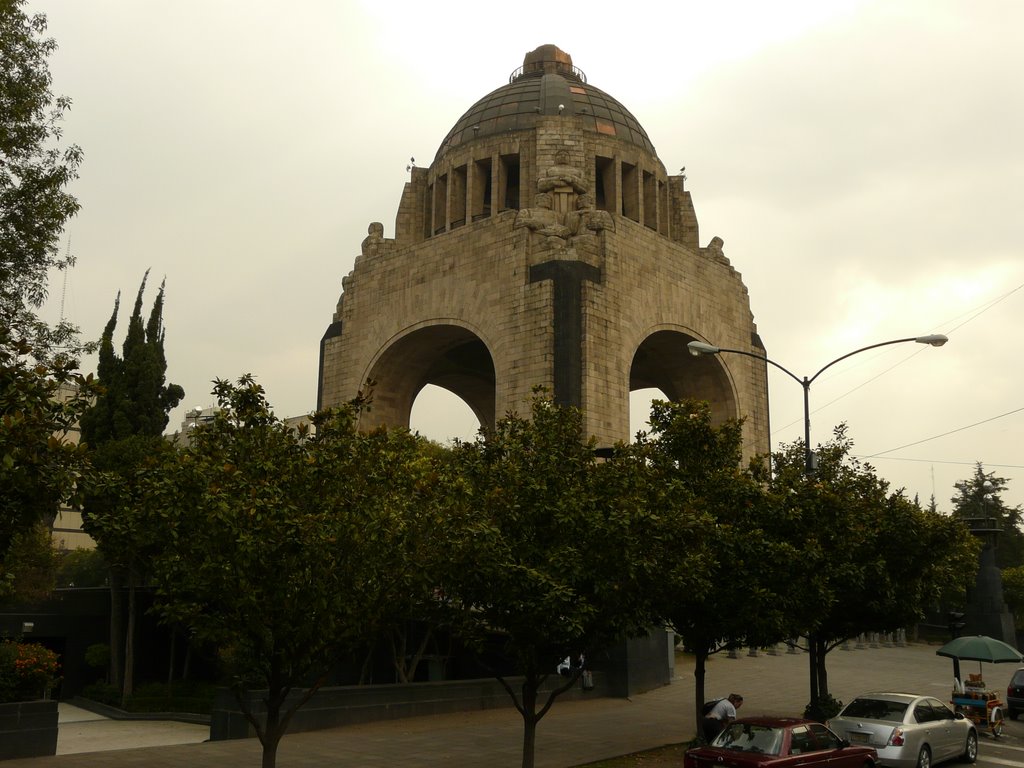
(698, 348)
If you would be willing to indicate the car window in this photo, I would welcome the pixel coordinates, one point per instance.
(823, 737)
(744, 737)
(800, 740)
(923, 713)
(1018, 677)
(876, 709)
(940, 711)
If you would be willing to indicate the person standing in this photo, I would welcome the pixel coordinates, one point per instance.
(720, 715)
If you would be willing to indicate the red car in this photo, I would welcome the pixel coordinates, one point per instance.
(779, 742)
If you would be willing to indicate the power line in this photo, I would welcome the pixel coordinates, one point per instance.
(944, 434)
(941, 461)
(977, 312)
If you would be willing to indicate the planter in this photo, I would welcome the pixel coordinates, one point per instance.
(28, 729)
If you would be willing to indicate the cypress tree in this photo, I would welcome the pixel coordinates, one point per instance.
(124, 431)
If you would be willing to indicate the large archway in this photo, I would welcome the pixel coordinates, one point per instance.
(448, 356)
(662, 362)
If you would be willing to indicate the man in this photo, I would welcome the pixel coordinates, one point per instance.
(720, 715)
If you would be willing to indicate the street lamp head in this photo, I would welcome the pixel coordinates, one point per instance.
(698, 348)
(935, 340)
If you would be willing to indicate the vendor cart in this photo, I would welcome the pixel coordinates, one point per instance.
(979, 705)
(971, 697)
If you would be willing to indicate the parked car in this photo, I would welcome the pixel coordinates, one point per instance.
(907, 729)
(1015, 694)
(779, 742)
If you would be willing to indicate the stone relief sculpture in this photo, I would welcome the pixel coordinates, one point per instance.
(544, 221)
(374, 237)
(561, 174)
(563, 212)
(586, 220)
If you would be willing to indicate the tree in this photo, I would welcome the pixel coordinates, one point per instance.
(34, 175)
(123, 429)
(29, 571)
(1013, 593)
(745, 562)
(554, 559)
(977, 498)
(407, 550)
(41, 393)
(40, 465)
(888, 560)
(136, 400)
(267, 535)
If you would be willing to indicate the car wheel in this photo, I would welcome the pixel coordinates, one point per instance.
(970, 754)
(924, 758)
(1012, 713)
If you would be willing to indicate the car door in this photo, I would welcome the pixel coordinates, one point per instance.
(830, 747)
(944, 724)
(805, 749)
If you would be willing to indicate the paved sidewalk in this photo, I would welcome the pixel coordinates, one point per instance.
(573, 733)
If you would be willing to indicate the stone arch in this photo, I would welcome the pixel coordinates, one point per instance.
(444, 353)
(662, 361)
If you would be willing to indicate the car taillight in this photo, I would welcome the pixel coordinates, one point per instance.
(896, 739)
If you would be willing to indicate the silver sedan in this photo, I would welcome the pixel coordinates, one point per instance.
(908, 730)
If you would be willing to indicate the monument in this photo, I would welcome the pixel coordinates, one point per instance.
(545, 244)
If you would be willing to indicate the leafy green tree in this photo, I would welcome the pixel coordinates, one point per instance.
(888, 560)
(40, 463)
(34, 175)
(407, 550)
(1013, 593)
(123, 429)
(746, 561)
(29, 572)
(83, 568)
(267, 536)
(978, 498)
(41, 393)
(554, 558)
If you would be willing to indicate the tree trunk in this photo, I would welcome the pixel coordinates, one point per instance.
(812, 658)
(116, 628)
(128, 680)
(170, 659)
(822, 671)
(700, 659)
(272, 729)
(529, 721)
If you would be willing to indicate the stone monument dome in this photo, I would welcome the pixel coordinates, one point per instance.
(546, 84)
(544, 245)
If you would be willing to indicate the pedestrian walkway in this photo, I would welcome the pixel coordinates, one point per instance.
(573, 733)
(80, 730)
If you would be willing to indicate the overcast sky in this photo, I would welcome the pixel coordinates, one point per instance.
(862, 161)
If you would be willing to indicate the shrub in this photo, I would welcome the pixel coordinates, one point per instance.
(828, 707)
(27, 671)
(180, 696)
(104, 693)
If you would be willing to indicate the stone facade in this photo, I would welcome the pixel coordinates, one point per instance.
(545, 245)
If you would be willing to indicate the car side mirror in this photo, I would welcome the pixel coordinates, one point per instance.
(844, 743)
(958, 715)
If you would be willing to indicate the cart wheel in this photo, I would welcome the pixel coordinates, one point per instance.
(997, 723)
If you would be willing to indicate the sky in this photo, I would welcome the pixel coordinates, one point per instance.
(861, 160)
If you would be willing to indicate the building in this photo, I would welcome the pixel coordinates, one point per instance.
(545, 244)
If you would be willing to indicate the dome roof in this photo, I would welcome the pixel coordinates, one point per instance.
(546, 84)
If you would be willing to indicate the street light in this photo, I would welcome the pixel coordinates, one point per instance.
(698, 348)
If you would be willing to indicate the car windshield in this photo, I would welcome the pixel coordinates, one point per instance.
(1018, 678)
(744, 737)
(876, 709)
